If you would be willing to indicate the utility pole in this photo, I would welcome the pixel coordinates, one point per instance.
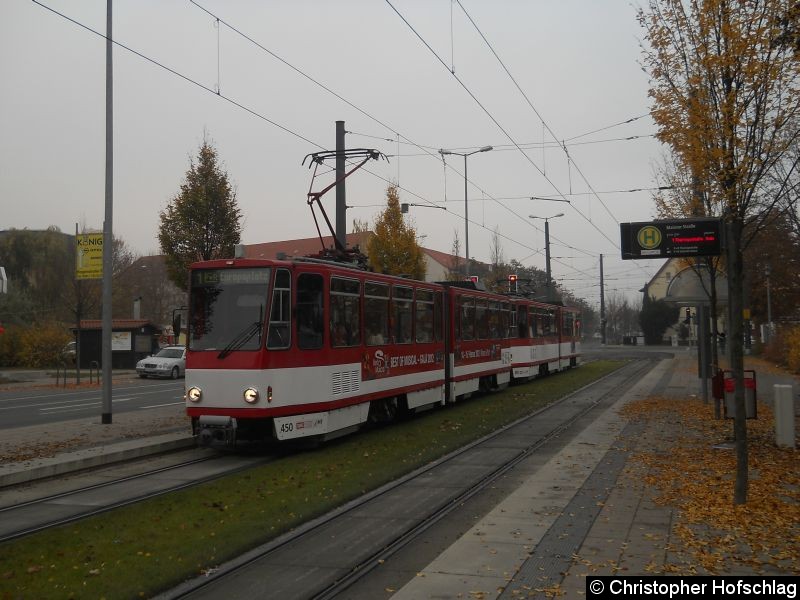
(341, 201)
(602, 305)
(108, 245)
(547, 259)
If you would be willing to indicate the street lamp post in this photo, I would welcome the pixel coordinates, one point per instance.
(466, 204)
(404, 206)
(547, 250)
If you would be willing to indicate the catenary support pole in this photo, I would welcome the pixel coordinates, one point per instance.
(341, 199)
(602, 305)
(466, 219)
(547, 259)
(108, 229)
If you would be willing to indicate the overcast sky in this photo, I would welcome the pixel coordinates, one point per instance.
(577, 61)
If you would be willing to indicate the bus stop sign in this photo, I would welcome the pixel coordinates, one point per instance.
(671, 238)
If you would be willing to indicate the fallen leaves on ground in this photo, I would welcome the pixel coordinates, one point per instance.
(697, 478)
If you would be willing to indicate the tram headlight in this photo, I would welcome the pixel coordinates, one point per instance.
(194, 394)
(251, 395)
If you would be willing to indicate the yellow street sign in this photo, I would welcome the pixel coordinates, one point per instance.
(89, 256)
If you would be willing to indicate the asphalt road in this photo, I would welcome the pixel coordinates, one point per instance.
(23, 407)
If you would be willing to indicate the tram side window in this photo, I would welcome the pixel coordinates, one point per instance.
(467, 318)
(425, 316)
(547, 324)
(537, 321)
(309, 311)
(481, 320)
(566, 330)
(345, 312)
(280, 320)
(496, 329)
(403, 315)
(438, 317)
(506, 320)
(376, 313)
(522, 322)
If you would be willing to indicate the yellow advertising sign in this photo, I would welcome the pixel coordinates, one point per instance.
(89, 256)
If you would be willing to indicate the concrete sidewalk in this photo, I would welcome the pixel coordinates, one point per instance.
(586, 512)
(26, 378)
(39, 451)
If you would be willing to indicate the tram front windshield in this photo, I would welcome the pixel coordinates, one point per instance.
(227, 309)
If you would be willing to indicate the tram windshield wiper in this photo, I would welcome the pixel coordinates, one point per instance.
(241, 339)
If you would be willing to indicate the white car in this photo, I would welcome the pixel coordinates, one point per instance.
(170, 361)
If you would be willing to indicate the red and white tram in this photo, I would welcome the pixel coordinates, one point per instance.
(309, 348)
(544, 338)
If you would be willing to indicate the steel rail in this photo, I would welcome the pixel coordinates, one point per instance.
(8, 511)
(628, 374)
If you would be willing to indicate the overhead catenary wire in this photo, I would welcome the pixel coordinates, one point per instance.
(181, 75)
(607, 127)
(525, 96)
(398, 135)
(238, 104)
(498, 125)
(371, 117)
(526, 146)
(249, 110)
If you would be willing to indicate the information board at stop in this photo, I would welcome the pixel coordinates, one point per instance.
(670, 238)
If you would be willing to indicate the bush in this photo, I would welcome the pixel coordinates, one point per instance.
(793, 349)
(10, 343)
(784, 348)
(37, 346)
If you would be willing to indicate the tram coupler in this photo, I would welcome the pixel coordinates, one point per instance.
(213, 430)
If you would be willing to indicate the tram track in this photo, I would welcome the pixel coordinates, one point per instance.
(30, 516)
(330, 583)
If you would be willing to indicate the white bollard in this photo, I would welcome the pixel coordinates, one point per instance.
(784, 416)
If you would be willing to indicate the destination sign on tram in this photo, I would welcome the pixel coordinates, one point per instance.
(212, 277)
(671, 238)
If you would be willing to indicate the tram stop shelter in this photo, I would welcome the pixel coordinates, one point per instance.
(690, 287)
(131, 341)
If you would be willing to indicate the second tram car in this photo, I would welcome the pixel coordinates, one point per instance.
(544, 338)
(309, 348)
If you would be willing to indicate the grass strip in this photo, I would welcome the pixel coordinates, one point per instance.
(140, 550)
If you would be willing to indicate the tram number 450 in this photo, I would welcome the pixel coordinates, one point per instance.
(307, 424)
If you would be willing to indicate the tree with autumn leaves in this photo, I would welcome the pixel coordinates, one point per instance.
(394, 249)
(725, 90)
(203, 221)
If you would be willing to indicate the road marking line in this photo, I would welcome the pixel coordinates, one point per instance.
(96, 403)
(159, 405)
(73, 408)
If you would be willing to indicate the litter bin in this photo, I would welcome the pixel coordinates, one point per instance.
(749, 394)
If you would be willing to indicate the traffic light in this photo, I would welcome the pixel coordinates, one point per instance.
(512, 283)
(688, 318)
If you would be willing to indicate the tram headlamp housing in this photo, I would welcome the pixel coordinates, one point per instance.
(194, 394)
(251, 395)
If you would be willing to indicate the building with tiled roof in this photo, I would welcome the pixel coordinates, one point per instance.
(438, 265)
